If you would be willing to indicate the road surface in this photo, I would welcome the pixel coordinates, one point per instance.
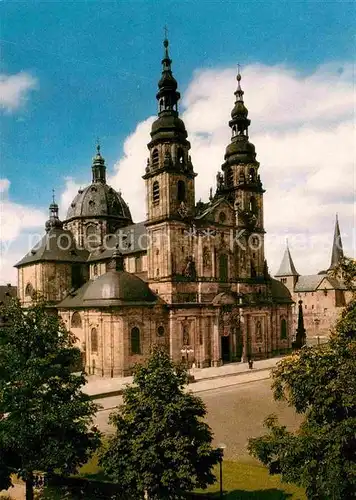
(234, 413)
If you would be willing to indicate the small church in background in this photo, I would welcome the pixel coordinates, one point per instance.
(323, 296)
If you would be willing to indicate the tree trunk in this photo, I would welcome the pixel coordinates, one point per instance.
(29, 486)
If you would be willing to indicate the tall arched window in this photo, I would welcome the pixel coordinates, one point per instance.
(95, 270)
(155, 192)
(283, 328)
(76, 321)
(223, 267)
(181, 191)
(229, 177)
(155, 157)
(28, 290)
(94, 340)
(251, 175)
(253, 205)
(135, 341)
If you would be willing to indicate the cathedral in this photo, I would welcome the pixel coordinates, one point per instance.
(192, 277)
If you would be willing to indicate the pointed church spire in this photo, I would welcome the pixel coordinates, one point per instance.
(98, 166)
(337, 253)
(287, 267)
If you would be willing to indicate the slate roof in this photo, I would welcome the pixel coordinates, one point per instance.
(114, 288)
(56, 245)
(287, 267)
(130, 239)
(309, 283)
(99, 200)
(280, 293)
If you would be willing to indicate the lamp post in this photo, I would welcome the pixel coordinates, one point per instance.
(221, 449)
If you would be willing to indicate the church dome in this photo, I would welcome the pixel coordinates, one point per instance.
(99, 200)
(118, 288)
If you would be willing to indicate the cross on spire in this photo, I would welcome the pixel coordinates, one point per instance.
(165, 32)
(53, 196)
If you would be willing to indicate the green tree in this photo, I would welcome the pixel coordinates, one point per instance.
(161, 447)
(320, 382)
(44, 415)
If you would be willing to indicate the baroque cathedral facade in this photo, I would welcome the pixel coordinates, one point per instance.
(192, 277)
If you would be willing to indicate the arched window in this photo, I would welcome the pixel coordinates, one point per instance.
(95, 270)
(181, 191)
(180, 156)
(93, 239)
(229, 177)
(135, 341)
(155, 192)
(251, 175)
(222, 217)
(160, 331)
(234, 131)
(155, 157)
(94, 340)
(223, 267)
(161, 104)
(28, 290)
(76, 321)
(253, 205)
(283, 328)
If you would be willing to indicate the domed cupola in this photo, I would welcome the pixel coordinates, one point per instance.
(240, 150)
(98, 209)
(53, 222)
(99, 200)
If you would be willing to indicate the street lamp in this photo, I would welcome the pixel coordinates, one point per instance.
(221, 449)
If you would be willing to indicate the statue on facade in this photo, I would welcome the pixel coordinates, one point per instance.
(190, 271)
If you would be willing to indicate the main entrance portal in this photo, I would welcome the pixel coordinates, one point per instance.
(225, 348)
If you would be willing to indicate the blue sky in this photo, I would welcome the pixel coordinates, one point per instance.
(97, 65)
(93, 69)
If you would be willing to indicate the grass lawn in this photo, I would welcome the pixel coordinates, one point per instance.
(240, 481)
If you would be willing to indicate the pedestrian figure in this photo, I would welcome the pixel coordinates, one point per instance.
(250, 364)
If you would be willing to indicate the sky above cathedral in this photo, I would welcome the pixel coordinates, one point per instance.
(72, 72)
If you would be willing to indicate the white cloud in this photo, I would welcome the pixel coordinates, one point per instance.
(304, 138)
(20, 227)
(303, 132)
(14, 89)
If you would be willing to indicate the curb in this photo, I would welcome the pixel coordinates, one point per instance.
(119, 392)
